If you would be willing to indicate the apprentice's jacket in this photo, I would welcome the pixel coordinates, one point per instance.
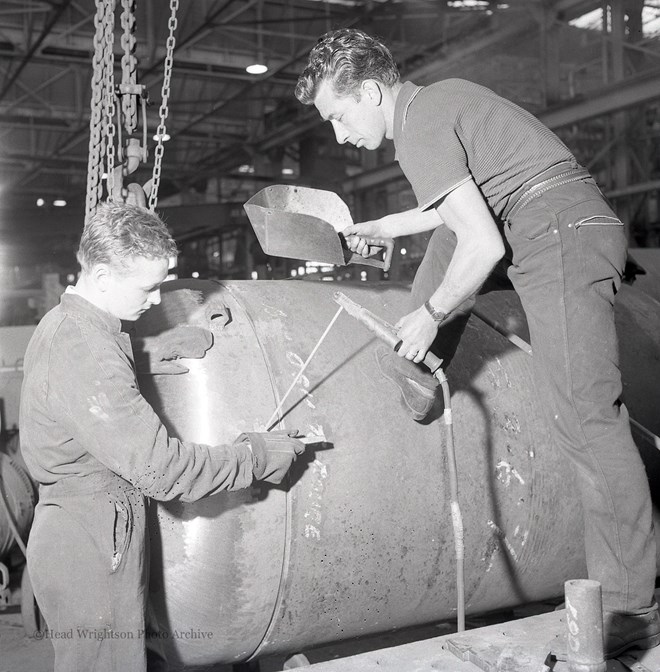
(82, 413)
(96, 447)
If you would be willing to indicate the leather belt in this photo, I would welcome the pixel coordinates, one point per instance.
(536, 187)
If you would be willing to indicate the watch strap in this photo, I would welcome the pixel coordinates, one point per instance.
(437, 315)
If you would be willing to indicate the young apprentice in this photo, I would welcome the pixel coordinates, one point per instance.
(486, 172)
(97, 449)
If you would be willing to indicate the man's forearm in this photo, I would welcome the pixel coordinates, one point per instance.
(479, 246)
(410, 222)
(465, 276)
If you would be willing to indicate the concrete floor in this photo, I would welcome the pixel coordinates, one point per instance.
(515, 646)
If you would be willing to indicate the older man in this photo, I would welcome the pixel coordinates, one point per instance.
(487, 175)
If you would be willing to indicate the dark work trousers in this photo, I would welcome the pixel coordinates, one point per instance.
(568, 255)
(88, 566)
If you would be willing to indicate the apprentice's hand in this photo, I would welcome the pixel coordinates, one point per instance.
(154, 354)
(272, 453)
(417, 331)
(355, 237)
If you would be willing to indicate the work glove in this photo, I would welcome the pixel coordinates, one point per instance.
(273, 453)
(155, 354)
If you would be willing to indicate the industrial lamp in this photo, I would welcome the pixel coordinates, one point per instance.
(257, 68)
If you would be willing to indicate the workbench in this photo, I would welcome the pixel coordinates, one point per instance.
(515, 646)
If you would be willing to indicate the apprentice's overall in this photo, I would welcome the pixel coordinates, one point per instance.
(97, 449)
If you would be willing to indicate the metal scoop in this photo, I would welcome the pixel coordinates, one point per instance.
(305, 223)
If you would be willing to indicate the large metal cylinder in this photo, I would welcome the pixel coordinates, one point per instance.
(360, 539)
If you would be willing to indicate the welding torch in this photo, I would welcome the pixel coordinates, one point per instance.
(387, 333)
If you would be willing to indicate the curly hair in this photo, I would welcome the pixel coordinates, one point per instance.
(118, 232)
(346, 57)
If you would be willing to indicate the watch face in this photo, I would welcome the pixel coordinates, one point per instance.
(437, 315)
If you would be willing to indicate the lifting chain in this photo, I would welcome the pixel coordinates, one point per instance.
(103, 130)
(163, 111)
(94, 163)
(110, 93)
(128, 66)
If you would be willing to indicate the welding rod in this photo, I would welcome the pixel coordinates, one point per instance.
(380, 328)
(513, 338)
(269, 424)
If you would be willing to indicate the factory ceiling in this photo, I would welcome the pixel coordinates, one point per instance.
(226, 123)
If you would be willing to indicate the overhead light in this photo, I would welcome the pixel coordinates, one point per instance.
(257, 69)
(287, 171)
(59, 202)
(40, 202)
(163, 138)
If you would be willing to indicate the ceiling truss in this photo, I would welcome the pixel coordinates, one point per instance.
(222, 118)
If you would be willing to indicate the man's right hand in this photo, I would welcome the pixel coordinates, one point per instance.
(273, 453)
(355, 237)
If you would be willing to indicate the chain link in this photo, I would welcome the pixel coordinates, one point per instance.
(110, 95)
(103, 130)
(164, 110)
(95, 163)
(128, 65)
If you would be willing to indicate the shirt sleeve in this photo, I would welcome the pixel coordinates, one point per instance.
(103, 410)
(431, 153)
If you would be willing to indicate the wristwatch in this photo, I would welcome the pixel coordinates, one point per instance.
(437, 315)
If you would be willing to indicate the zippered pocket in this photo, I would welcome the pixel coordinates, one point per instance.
(598, 220)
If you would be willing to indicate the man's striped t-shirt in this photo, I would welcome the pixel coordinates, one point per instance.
(454, 130)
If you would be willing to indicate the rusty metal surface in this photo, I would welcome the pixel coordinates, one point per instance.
(360, 541)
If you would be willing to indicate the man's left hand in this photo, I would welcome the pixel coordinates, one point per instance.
(417, 331)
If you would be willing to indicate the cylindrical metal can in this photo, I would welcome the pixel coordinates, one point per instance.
(358, 540)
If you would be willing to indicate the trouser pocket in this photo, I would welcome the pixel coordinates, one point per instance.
(601, 241)
(122, 532)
